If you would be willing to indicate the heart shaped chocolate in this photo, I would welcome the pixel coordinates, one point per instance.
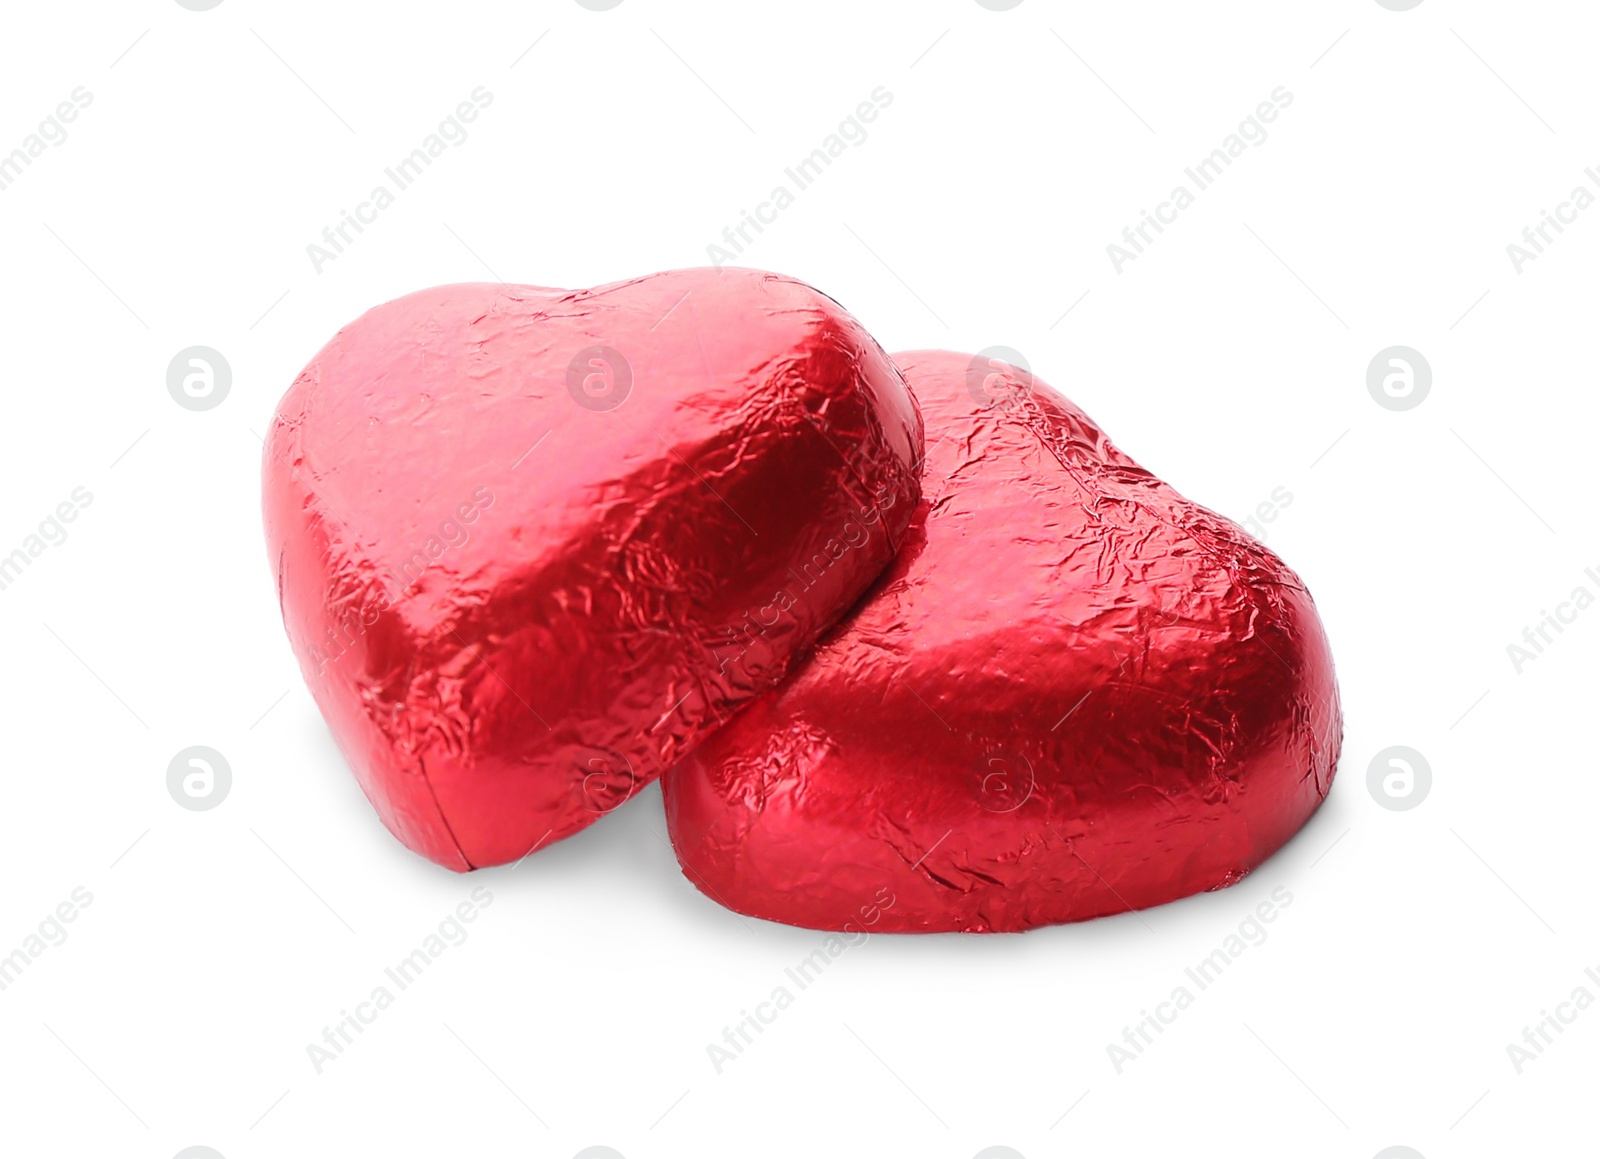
(531, 545)
(1074, 693)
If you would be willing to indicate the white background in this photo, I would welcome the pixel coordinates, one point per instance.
(1230, 359)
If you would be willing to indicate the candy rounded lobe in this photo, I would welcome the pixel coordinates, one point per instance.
(528, 543)
(1075, 693)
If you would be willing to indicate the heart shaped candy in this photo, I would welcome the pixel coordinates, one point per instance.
(531, 545)
(1074, 693)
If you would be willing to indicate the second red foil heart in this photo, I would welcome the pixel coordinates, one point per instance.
(1074, 693)
(531, 545)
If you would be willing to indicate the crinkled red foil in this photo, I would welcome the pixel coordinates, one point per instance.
(1074, 693)
(529, 544)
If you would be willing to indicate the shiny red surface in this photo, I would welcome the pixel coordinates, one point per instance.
(1074, 693)
(522, 576)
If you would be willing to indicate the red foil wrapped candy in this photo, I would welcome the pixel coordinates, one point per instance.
(529, 544)
(1074, 693)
